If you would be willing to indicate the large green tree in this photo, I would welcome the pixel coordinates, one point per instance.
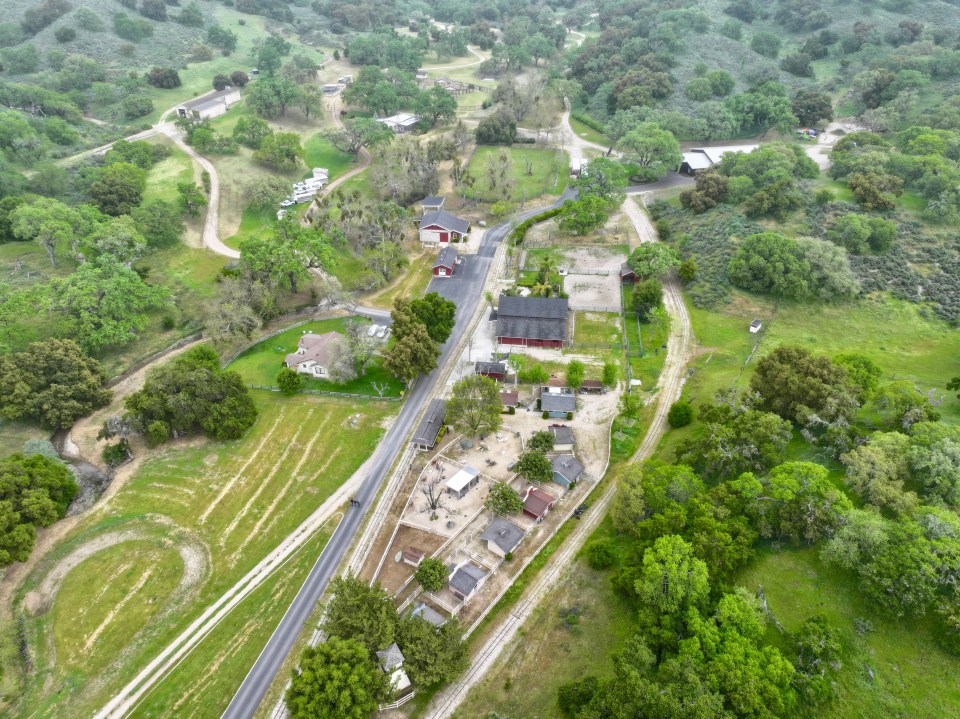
(654, 149)
(362, 612)
(769, 262)
(104, 303)
(337, 679)
(431, 574)
(503, 499)
(474, 405)
(432, 654)
(534, 466)
(35, 491)
(192, 394)
(52, 382)
(118, 188)
(437, 314)
(358, 134)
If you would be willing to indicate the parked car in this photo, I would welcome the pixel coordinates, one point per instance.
(372, 331)
(578, 512)
(287, 203)
(381, 332)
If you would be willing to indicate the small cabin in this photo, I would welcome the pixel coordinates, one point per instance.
(756, 326)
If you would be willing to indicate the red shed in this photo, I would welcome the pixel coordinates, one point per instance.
(446, 263)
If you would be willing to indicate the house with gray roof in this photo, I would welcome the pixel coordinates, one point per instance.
(314, 354)
(558, 405)
(428, 614)
(441, 226)
(566, 470)
(562, 438)
(465, 580)
(391, 662)
(532, 321)
(502, 536)
(432, 203)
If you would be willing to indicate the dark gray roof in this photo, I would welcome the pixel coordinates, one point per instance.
(558, 402)
(568, 466)
(504, 533)
(390, 658)
(447, 257)
(546, 308)
(626, 269)
(446, 220)
(561, 435)
(533, 318)
(490, 368)
(431, 423)
(428, 614)
(432, 201)
(466, 579)
(209, 98)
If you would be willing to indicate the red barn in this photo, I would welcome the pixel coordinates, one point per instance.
(441, 226)
(446, 263)
(532, 321)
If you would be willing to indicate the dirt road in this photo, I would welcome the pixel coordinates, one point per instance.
(679, 348)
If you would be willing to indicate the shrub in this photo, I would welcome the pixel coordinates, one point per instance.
(508, 557)
(116, 454)
(157, 433)
(220, 82)
(289, 381)
(164, 77)
(600, 554)
(65, 34)
(569, 415)
(546, 415)
(680, 414)
(134, 106)
(511, 410)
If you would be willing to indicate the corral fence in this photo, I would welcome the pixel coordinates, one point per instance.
(263, 338)
(614, 309)
(352, 395)
(573, 271)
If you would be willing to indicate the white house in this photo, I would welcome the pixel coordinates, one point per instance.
(463, 481)
(313, 355)
(211, 105)
(400, 123)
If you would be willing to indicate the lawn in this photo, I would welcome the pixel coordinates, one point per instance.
(220, 505)
(163, 178)
(597, 328)
(412, 283)
(549, 172)
(902, 654)
(254, 221)
(260, 364)
(318, 152)
(588, 133)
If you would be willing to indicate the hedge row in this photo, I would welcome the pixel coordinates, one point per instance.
(520, 231)
(589, 122)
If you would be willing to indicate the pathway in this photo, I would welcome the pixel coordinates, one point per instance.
(670, 383)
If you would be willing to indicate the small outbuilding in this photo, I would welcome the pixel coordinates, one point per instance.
(431, 426)
(562, 438)
(412, 556)
(502, 536)
(460, 484)
(401, 123)
(428, 614)
(465, 579)
(331, 89)
(509, 399)
(566, 470)
(446, 262)
(532, 321)
(627, 275)
(440, 226)
(538, 503)
(592, 386)
(433, 203)
(391, 662)
(756, 326)
(493, 370)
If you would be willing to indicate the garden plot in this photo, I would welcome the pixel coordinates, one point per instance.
(193, 519)
(395, 572)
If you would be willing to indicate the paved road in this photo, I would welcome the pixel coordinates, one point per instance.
(465, 288)
(674, 179)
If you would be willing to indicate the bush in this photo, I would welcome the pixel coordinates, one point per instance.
(289, 381)
(116, 454)
(157, 433)
(511, 410)
(569, 415)
(600, 554)
(546, 415)
(165, 78)
(134, 106)
(508, 557)
(221, 82)
(65, 34)
(680, 414)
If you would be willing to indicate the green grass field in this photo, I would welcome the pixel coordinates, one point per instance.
(318, 152)
(224, 504)
(597, 328)
(549, 172)
(260, 364)
(163, 178)
(412, 283)
(588, 133)
(902, 654)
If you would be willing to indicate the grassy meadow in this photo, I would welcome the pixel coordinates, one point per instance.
(549, 172)
(194, 517)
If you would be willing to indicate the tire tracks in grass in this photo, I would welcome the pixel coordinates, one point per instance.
(236, 477)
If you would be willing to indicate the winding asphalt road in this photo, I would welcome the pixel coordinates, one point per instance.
(465, 289)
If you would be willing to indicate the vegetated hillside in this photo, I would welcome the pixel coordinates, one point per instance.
(648, 54)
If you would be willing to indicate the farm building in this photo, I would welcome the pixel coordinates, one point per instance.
(627, 275)
(566, 470)
(509, 399)
(314, 354)
(756, 326)
(428, 614)
(213, 104)
(558, 406)
(446, 263)
(431, 204)
(465, 579)
(699, 159)
(400, 123)
(441, 226)
(592, 386)
(493, 370)
(501, 536)
(460, 484)
(562, 438)
(391, 662)
(412, 556)
(532, 321)
(538, 503)
(431, 426)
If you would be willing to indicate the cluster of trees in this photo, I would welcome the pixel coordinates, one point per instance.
(384, 92)
(474, 406)
(341, 677)
(189, 394)
(601, 188)
(35, 491)
(420, 326)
